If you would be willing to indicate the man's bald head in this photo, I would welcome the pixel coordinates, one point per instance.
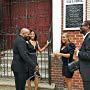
(25, 32)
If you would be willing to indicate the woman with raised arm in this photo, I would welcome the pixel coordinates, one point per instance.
(33, 47)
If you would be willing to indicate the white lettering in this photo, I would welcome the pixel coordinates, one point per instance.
(73, 1)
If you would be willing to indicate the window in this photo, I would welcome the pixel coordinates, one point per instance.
(74, 14)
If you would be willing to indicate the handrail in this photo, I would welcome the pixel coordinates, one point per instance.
(49, 52)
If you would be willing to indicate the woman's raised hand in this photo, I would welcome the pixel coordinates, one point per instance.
(48, 43)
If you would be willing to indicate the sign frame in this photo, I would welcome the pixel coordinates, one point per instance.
(72, 2)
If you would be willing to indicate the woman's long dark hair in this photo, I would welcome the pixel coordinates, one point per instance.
(35, 38)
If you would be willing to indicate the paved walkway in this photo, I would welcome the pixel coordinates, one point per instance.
(8, 84)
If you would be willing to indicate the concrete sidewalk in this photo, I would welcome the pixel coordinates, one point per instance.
(8, 84)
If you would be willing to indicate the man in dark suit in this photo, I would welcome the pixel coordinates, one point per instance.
(84, 55)
(20, 59)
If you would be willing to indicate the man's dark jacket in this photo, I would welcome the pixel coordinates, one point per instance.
(21, 56)
(84, 57)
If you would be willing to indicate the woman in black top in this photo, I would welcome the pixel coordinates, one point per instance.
(33, 47)
(66, 52)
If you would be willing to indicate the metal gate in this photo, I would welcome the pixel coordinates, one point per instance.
(32, 14)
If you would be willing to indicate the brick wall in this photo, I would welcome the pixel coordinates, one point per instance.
(56, 72)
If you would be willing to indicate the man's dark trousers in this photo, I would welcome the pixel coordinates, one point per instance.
(86, 85)
(20, 81)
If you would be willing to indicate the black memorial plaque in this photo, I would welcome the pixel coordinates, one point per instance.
(74, 15)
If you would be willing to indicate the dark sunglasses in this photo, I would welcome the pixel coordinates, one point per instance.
(83, 25)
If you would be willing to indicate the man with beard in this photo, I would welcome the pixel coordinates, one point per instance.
(20, 59)
(84, 55)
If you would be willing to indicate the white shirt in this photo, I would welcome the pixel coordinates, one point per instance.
(86, 35)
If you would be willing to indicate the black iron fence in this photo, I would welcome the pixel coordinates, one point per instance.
(9, 23)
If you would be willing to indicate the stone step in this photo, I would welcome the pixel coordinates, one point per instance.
(4, 82)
